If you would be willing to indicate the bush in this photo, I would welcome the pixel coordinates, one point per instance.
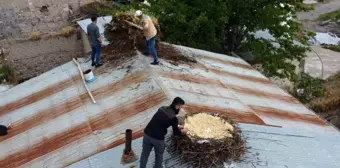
(97, 8)
(35, 36)
(332, 47)
(312, 88)
(331, 99)
(335, 15)
(66, 31)
(7, 74)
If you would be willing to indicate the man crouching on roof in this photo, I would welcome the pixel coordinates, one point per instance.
(150, 33)
(155, 131)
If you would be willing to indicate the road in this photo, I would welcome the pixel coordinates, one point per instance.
(320, 8)
(309, 19)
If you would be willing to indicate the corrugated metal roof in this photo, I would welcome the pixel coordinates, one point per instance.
(270, 147)
(55, 123)
(54, 119)
(279, 130)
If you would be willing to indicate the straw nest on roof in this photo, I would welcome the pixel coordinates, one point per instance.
(211, 140)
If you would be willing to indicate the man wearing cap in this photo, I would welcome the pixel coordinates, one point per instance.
(155, 131)
(150, 33)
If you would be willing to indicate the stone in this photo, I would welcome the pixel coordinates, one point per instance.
(51, 25)
(323, 23)
(56, 19)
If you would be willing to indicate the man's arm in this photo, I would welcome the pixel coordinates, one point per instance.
(174, 124)
(98, 36)
(88, 33)
(146, 24)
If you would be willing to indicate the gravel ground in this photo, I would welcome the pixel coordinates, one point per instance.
(320, 8)
(32, 58)
(310, 22)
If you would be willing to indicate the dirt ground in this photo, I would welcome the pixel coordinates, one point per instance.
(32, 58)
(310, 22)
(125, 40)
(20, 19)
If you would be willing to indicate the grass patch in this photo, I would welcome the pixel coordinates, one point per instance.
(331, 99)
(35, 36)
(305, 7)
(7, 74)
(66, 31)
(335, 15)
(98, 8)
(332, 47)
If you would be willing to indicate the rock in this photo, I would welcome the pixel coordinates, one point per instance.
(56, 19)
(51, 25)
(323, 23)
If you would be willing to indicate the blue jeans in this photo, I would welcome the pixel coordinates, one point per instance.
(150, 47)
(148, 144)
(95, 55)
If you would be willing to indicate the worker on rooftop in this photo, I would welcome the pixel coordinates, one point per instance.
(4, 129)
(150, 33)
(96, 42)
(155, 132)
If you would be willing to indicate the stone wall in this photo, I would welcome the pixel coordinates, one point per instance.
(32, 58)
(19, 19)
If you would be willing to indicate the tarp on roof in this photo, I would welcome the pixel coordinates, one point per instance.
(325, 39)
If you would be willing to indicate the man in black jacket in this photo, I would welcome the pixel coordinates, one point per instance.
(156, 130)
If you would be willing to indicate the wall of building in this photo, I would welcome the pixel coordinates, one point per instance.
(19, 19)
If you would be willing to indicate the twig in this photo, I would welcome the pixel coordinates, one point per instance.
(82, 77)
(134, 25)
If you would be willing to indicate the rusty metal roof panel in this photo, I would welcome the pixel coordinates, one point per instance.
(280, 132)
(56, 124)
(268, 147)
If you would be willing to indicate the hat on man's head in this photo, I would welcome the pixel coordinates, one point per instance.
(138, 13)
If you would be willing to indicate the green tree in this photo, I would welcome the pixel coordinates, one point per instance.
(232, 23)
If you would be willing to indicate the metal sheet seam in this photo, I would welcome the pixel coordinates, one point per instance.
(153, 75)
(271, 133)
(232, 92)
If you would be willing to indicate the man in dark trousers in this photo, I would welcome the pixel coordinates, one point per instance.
(156, 130)
(95, 41)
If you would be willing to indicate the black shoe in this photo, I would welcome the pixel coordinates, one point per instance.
(93, 64)
(99, 65)
(145, 54)
(155, 63)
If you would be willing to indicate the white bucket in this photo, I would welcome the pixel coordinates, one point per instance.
(88, 75)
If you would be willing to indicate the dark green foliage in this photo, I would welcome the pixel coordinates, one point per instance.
(333, 48)
(7, 74)
(231, 24)
(313, 88)
(335, 15)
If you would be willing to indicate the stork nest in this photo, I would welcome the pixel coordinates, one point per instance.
(209, 152)
(125, 40)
